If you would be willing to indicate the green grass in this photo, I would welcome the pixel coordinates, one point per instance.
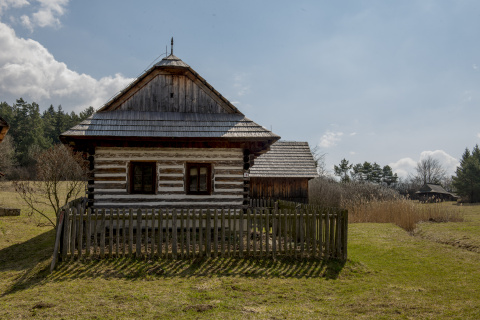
(390, 274)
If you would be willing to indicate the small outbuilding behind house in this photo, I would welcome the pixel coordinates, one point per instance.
(283, 172)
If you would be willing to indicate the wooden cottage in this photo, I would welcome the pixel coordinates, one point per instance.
(283, 172)
(169, 140)
(432, 192)
(3, 128)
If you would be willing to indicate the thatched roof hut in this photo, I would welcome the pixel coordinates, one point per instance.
(431, 191)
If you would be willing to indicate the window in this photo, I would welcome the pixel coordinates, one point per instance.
(142, 177)
(199, 178)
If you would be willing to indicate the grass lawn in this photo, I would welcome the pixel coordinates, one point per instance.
(389, 274)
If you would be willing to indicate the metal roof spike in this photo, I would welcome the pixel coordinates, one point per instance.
(171, 43)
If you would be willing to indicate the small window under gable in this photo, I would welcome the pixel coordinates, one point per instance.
(199, 178)
(143, 177)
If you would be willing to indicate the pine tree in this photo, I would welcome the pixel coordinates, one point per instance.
(467, 179)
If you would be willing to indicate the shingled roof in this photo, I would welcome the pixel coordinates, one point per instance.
(432, 188)
(145, 124)
(286, 159)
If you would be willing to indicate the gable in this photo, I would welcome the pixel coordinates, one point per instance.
(170, 86)
(173, 93)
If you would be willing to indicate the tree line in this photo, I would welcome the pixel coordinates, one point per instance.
(32, 131)
(465, 183)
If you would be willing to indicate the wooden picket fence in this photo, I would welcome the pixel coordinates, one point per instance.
(270, 229)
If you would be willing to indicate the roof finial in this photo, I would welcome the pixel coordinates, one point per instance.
(171, 52)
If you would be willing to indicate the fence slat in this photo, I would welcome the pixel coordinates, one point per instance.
(174, 234)
(223, 233)
(138, 230)
(80, 230)
(215, 233)
(110, 234)
(182, 232)
(249, 229)
(102, 235)
(88, 232)
(160, 233)
(73, 233)
(240, 235)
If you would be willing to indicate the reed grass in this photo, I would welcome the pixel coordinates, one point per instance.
(375, 203)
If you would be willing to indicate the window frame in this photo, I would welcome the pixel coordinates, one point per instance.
(188, 178)
(131, 176)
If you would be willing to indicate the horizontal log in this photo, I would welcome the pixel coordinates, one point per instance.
(171, 178)
(110, 170)
(229, 179)
(171, 170)
(228, 186)
(173, 184)
(237, 172)
(109, 186)
(121, 178)
(102, 162)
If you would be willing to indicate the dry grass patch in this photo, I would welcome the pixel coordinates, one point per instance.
(402, 212)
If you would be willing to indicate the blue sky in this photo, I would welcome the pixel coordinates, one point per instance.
(383, 81)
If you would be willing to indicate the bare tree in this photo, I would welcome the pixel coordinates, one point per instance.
(430, 170)
(319, 159)
(61, 178)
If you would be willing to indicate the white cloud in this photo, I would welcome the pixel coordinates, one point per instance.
(42, 13)
(330, 139)
(28, 70)
(407, 165)
(353, 134)
(5, 4)
(241, 88)
(403, 167)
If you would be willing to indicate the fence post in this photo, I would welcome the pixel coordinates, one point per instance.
(57, 239)
(66, 234)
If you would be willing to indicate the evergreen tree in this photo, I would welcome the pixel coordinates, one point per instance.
(342, 170)
(467, 179)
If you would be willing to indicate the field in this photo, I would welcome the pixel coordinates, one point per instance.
(432, 273)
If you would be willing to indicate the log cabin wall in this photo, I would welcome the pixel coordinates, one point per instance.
(173, 93)
(112, 167)
(291, 189)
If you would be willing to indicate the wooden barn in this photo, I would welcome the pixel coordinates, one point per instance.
(433, 192)
(283, 172)
(169, 139)
(3, 128)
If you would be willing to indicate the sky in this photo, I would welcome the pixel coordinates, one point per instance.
(390, 82)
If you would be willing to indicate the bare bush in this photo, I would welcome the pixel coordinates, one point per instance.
(61, 177)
